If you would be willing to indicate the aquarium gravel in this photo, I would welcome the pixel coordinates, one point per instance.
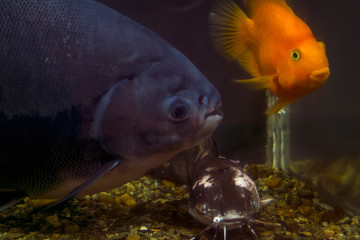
(151, 208)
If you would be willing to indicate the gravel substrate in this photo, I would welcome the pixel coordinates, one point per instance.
(151, 208)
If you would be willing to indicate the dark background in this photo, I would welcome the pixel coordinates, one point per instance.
(324, 124)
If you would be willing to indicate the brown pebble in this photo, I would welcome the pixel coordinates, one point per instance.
(133, 237)
(106, 198)
(305, 210)
(73, 228)
(273, 181)
(306, 234)
(168, 184)
(329, 233)
(55, 236)
(252, 170)
(42, 202)
(14, 230)
(53, 220)
(126, 199)
(13, 235)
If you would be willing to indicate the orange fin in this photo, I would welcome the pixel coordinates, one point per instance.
(252, 5)
(248, 61)
(280, 104)
(258, 83)
(227, 29)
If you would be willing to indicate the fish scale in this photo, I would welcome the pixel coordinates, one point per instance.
(79, 50)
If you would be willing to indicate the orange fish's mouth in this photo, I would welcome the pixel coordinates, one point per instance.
(320, 75)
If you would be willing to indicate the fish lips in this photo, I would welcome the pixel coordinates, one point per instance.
(320, 75)
(212, 118)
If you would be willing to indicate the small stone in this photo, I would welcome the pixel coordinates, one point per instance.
(143, 228)
(168, 184)
(302, 220)
(273, 181)
(14, 230)
(133, 237)
(53, 220)
(345, 220)
(42, 202)
(15, 235)
(55, 236)
(106, 198)
(306, 234)
(305, 210)
(126, 199)
(329, 233)
(73, 228)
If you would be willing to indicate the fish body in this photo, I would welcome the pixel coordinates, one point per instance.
(273, 45)
(90, 100)
(222, 196)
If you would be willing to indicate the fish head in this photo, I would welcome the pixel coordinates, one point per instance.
(306, 68)
(167, 108)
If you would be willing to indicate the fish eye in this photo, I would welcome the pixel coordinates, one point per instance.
(179, 112)
(295, 55)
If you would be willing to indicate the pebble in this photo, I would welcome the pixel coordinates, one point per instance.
(168, 184)
(73, 228)
(306, 234)
(274, 181)
(126, 199)
(106, 198)
(15, 235)
(133, 237)
(143, 228)
(42, 202)
(305, 210)
(329, 233)
(55, 236)
(54, 221)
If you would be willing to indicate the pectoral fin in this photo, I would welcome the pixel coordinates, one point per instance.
(280, 104)
(9, 197)
(98, 174)
(258, 83)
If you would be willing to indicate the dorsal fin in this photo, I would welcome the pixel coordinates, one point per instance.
(227, 22)
(252, 5)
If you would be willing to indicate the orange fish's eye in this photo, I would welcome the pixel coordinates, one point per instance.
(295, 55)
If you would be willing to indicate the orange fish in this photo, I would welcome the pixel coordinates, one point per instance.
(273, 45)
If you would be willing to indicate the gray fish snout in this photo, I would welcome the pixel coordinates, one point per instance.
(213, 104)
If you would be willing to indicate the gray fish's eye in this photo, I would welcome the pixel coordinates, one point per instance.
(179, 112)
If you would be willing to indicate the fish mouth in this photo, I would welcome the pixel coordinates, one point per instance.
(215, 111)
(320, 75)
(212, 118)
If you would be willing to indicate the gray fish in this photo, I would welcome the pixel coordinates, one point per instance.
(90, 100)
